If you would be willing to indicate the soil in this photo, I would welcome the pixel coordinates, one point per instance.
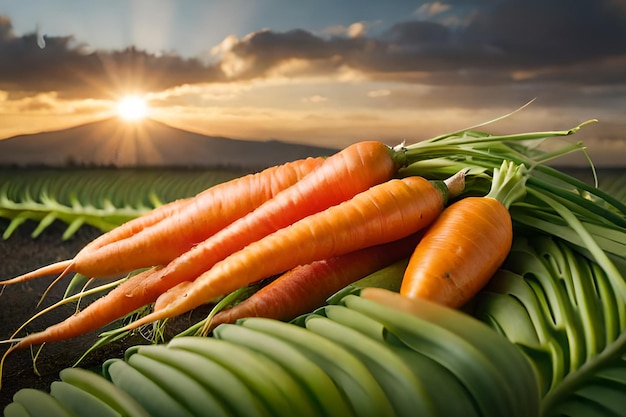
(21, 253)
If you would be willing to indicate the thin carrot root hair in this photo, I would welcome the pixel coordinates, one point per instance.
(84, 292)
(26, 340)
(75, 297)
(3, 359)
(62, 275)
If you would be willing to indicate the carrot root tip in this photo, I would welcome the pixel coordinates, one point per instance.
(456, 183)
(62, 267)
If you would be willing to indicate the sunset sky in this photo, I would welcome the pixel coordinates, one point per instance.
(328, 72)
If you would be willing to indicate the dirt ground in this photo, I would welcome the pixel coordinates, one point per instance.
(21, 253)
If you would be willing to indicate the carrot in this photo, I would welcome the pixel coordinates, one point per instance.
(171, 294)
(384, 213)
(341, 176)
(466, 245)
(134, 226)
(307, 287)
(168, 231)
(124, 231)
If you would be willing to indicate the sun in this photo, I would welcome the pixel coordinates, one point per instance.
(132, 108)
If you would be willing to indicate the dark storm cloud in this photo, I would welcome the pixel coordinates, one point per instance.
(486, 42)
(33, 63)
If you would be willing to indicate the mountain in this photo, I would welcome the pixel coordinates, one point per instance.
(111, 142)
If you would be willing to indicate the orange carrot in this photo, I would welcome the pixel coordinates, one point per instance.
(134, 226)
(466, 245)
(307, 287)
(341, 176)
(384, 213)
(160, 236)
(171, 294)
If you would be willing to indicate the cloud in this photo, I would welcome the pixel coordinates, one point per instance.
(72, 69)
(356, 30)
(259, 52)
(379, 93)
(225, 45)
(315, 99)
(554, 32)
(432, 9)
(494, 46)
(416, 33)
(6, 29)
(504, 42)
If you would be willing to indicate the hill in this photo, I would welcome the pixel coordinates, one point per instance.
(151, 143)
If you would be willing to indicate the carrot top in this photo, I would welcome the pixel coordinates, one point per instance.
(508, 184)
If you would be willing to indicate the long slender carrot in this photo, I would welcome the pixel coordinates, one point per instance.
(124, 231)
(134, 226)
(466, 245)
(384, 213)
(307, 287)
(341, 176)
(160, 236)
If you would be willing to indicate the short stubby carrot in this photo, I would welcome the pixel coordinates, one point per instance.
(384, 213)
(466, 245)
(307, 287)
(168, 231)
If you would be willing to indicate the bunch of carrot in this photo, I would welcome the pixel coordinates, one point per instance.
(183, 256)
(301, 213)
